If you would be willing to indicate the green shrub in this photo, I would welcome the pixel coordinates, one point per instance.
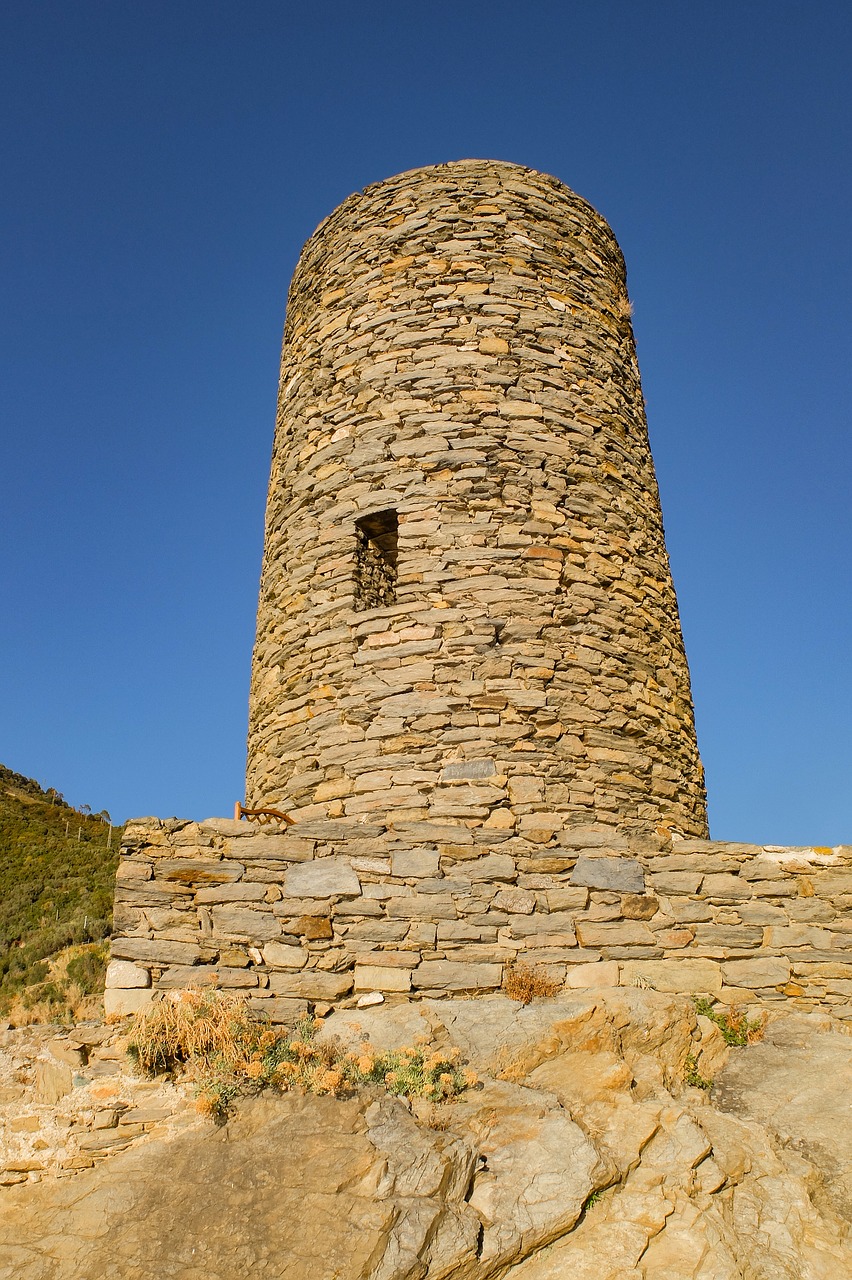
(88, 969)
(57, 876)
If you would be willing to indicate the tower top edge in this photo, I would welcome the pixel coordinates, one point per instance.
(466, 169)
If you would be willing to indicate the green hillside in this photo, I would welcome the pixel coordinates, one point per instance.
(57, 869)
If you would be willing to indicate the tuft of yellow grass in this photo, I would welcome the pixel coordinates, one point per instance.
(214, 1038)
(520, 982)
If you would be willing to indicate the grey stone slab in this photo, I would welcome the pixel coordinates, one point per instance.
(468, 769)
(155, 951)
(244, 922)
(762, 971)
(322, 878)
(414, 863)
(622, 874)
(448, 976)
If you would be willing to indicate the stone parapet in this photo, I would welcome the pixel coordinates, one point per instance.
(327, 912)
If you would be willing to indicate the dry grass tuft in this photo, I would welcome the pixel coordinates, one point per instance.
(220, 1045)
(520, 982)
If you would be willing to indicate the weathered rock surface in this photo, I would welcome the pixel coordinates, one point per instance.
(580, 1155)
(797, 1083)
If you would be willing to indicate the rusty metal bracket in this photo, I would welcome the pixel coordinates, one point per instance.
(264, 817)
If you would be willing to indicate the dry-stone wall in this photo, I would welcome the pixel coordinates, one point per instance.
(330, 911)
(466, 609)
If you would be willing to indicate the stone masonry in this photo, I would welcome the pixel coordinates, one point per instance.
(466, 612)
(330, 911)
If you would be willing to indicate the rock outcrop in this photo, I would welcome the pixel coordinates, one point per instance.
(581, 1154)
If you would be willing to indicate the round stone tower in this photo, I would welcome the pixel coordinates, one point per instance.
(467, 617)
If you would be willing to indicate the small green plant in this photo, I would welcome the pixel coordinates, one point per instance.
(691, 1075)
(216, 1040)
(737, 1030)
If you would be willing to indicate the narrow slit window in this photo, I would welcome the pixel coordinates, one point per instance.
(376, 541)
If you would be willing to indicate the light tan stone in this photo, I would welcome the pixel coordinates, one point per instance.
(370, 977)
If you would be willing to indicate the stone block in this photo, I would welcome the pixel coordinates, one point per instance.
(355, 907)
(119, 1002)
(603, 974)
(243, 978)
(67, 1051)
(592, 837)
(616, 933)
(623, 875)
(639, 906)
(240, 892)
(315, 928)
(414, 864)
(311, 984)
(388, 930)
(181, 977)
(775, 888)
(322, 878)
(279, 1010)
(494, 866)
(517, 901)
(155, 951)
(146, 1115)
(542, 922)
(798, 935)
(729, 936)
(279, 956)
(421, 934)
(724, 885)
(130, 872)
(391, 959)
(681, 975)
(244, 922)
(463, 931)
(198, 872)
(672, 883)
(687, 911)
(373, 977)
(763, 971)
(422, 906)
(540, 827)
(123, 974)
(275, 847)
(468, 769)
(445, 975)
(567, 899)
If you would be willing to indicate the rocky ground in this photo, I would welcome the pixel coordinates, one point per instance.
(581, 1154)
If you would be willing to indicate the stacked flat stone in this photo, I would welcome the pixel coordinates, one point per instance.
(459, 364)
(289, 921)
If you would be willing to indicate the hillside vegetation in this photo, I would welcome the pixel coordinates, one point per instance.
(57, 870)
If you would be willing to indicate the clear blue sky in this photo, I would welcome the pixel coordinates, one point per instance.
(162, 164)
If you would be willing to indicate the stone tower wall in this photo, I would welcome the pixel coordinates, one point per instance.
(467, 618)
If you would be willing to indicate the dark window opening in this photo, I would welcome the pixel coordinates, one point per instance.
(376, 539)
